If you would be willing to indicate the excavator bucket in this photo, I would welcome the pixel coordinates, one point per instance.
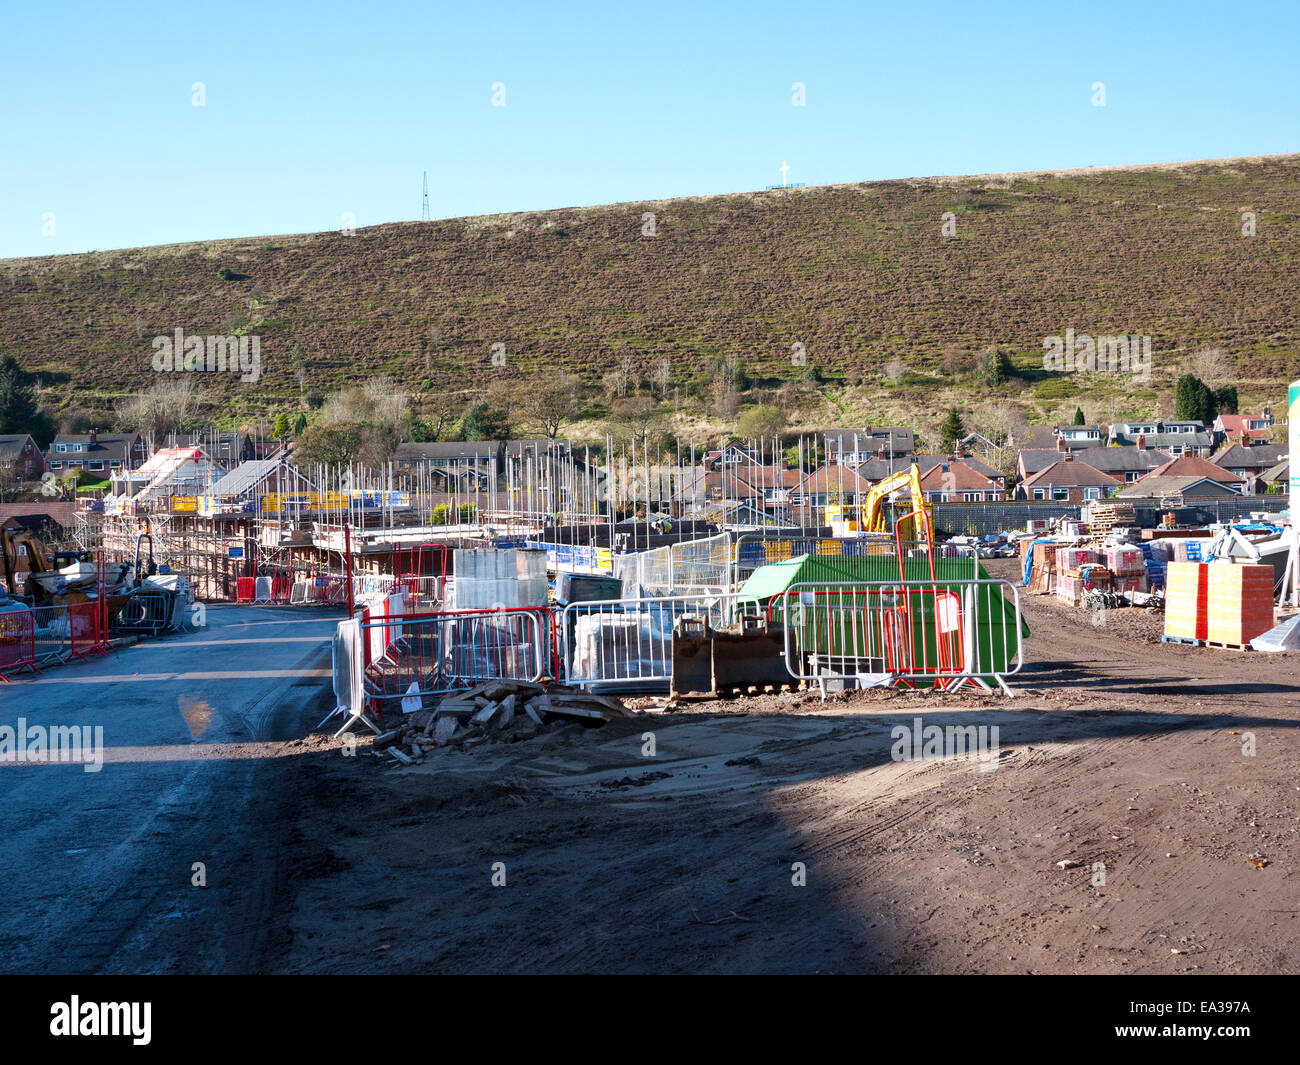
(709, 662)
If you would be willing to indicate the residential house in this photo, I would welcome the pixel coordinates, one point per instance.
(1195, 466)
(1059, 437)
(20, 458)
(1032, 436)
(101, 454)
(1275, 480)
(732, 455)
(1126, 463)
(227, 450)
(1242, 428)
(877, 469)
(1080, 436)
(852, 447)
(957, 481)
(1068, 481)
(831, 484)
(1250, 463)
(454, 464)
(1176, 487)
(1176, 438)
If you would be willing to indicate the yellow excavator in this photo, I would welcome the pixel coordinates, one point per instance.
(874, 508)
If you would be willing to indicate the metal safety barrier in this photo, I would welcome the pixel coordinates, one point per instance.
(947, 633)
(628, 643)
(17, 643)
(319, 589)
(433, 652)
(86, 630)
(148, 613)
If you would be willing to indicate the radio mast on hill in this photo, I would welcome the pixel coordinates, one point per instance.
(424, 208)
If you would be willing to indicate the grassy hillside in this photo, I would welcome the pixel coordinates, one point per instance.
(860, 275)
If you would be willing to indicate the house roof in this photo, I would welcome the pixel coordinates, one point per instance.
(61, 511)
(956, 475)
(245, 477)
(767, 476)
(1195, 466)
(871, 438)
(1235, 425)
(1153, 487)
(1259, 457)
(11, 444)
(448, 449)
(1107, 459)
(1071, 474)
(833, 478)
(106, 445)
(1278, 472)
(1043, 436)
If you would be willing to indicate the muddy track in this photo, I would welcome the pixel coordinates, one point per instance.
(1120, 757)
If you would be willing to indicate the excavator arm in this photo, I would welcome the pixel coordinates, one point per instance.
(873, 510)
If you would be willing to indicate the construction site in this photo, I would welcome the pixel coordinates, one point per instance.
(923, 724)
(577, 493)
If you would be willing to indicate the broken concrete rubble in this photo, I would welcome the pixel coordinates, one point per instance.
(502, 710)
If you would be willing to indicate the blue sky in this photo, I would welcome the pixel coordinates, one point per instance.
(314, 110)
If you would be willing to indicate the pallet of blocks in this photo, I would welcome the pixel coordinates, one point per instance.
(1240, 604)
(1186, 601)
(1102, 517)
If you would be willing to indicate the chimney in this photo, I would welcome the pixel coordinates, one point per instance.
(1060, 444)
(1068, 456)
(1141, 442)
(92, 436)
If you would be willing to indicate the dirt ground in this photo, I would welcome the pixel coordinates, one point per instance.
(1121, 757)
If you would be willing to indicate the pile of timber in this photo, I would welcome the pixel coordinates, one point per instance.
(506, 710)
(1103, 517)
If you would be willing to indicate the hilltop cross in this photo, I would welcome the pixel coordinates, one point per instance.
(784, 167)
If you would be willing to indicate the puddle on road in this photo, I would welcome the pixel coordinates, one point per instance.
(197, 715)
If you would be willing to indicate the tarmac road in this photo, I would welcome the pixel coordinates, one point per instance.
(97, 869)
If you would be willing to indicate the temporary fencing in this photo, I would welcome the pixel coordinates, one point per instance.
(17, 643)
(949, 633)
(753, 550)
(628, 643)
(407, 655)
(147, 612)
(702, 565)
(318, 589)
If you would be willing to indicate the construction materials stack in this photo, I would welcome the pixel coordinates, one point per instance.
(1186, 602)
(1127, 567)
(1240, 604)
(488, 578)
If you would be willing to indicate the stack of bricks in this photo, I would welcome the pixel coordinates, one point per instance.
(1129, 567)
(1186, 600)
(1240, 603)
